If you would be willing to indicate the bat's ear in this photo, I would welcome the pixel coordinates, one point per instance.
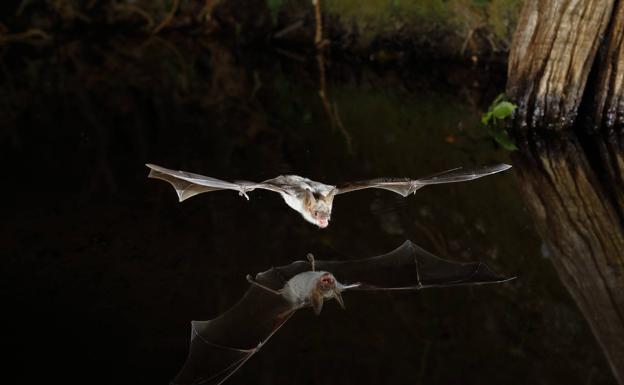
(317, 302)
(338, 297)
(308, 199)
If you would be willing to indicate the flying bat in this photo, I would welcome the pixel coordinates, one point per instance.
(313, 200)
(219, 347)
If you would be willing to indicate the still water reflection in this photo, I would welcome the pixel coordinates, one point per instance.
(109, 269)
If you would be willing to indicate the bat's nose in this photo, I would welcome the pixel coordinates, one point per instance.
(327, 279)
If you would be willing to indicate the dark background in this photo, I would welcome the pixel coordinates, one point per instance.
(104, 269)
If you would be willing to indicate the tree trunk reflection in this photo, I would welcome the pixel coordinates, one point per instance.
(576, 202)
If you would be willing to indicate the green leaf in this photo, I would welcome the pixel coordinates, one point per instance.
(492, 120)
(503, 110)
(486, 117)
(499, 98)
(502, 137)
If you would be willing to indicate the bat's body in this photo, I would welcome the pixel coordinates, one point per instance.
(309, 288)
(313, 200)
(309, 198)
(221, 346)
(302, 289)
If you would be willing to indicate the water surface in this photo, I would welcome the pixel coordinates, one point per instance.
(106, 269)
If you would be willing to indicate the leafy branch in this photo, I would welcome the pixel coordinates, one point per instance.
(499, 110)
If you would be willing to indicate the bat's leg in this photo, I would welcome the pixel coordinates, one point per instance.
(242, 192)
(338, 298)
(311, 259)
(253, 282)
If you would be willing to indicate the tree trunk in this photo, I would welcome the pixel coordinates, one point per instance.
(552, 53)
(566, 73)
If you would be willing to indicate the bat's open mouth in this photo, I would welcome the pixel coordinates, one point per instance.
(322, 223)
(327, 279)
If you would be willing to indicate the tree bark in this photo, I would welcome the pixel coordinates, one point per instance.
(566, 73)
(552, 53)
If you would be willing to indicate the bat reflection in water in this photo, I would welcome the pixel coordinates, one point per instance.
(313, 200)
(219, 347)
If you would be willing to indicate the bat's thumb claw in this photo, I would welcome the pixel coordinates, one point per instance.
(243, 194)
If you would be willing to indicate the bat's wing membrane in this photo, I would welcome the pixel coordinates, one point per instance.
(409, 267)
(219, 347)
(209, 363)
(401, 186)
(463, 174)
(406, 186)
(188, 184)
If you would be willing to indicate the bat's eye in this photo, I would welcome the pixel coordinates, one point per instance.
(316, 214)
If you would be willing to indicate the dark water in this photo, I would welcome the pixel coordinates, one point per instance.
(104, 269)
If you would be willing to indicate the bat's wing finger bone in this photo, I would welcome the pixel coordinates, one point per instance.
(251, 280)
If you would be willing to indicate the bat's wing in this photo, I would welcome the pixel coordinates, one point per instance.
(219, 347)
(409, 267)
(188, 184)
(407, 186)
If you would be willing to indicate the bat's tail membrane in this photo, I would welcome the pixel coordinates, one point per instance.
(462, 174)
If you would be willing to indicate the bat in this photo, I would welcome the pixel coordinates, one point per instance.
(313, 200)
(219, 347)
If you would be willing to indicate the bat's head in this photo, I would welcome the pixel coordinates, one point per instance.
(321, 216)
(315, 287)
(326, 283)
(329, 288)
(317, 209)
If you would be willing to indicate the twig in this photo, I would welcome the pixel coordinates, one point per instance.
(206, 10)
(330, 108)
(22, 36)
(291, 55)
(318, 36)
(168, 18)
(66, 11)
(493, 44)
(343, 129)
(468, 38)
(323, 89)
(21, 7)
(132, 8)
(285, 31)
